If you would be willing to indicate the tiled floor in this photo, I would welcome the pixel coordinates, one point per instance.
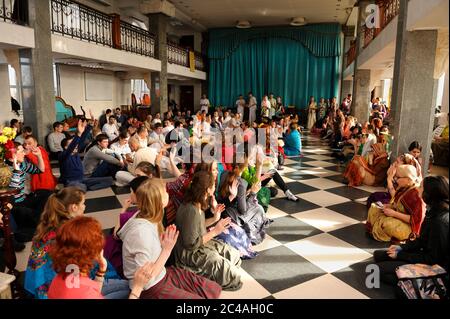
(316, 248)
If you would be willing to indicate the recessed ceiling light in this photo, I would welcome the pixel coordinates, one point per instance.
(298, 21)
(243, 24)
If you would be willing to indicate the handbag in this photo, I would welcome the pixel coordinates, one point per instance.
(419, 281)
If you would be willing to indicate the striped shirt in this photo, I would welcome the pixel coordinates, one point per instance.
(18, 179)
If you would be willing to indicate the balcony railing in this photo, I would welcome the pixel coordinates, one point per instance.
(72, 19)
(14, 11)
(75, 20)
(136, 40)
(177, 54)
(351, 54)
(388, 9)
(78, 21)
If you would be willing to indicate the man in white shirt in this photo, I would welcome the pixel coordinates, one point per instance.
(168, 126)
(252, 108)
(110, 128)
(204, 104)
(157, 138)
(346, 104)
(147, 154)
(226, 119)
(54, 140)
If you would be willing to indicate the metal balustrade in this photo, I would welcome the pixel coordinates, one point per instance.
(75, 20)
(136, 40)
(14, 11)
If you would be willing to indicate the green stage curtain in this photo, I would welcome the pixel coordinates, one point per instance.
(293, 63)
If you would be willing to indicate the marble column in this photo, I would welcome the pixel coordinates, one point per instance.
(414, 87)
(360, 107)
(347, 88)
(159, 89)
(36, 71)
(361, 78)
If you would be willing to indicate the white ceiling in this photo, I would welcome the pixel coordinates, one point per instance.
(225, 13)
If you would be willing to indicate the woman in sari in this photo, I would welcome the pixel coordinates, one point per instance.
(312, 107)
(322, 112)
(265, 107)
(404, 159)
(402, 218)
(370, 170)
(350, 122)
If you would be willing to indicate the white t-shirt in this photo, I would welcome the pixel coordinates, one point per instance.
(143, 155)
(167, 129)
(120, 149)
(110, 130)
(141, 244)
(157, 138)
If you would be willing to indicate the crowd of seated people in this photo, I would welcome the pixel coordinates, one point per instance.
(186, 238)
(122, 150)
(412, 214)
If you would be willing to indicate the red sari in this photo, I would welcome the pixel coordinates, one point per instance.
(413, 205)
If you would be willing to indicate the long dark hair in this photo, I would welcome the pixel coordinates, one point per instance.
(197, 191)
(414, 145)
(235, 172)
(435, 191)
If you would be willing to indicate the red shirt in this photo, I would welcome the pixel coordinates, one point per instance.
(69, 288)
(44, 180)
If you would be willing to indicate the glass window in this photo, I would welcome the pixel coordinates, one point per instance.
(139, 88)
(13, 84)
(56, 85)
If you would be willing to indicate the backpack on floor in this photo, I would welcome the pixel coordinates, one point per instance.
(419, 281)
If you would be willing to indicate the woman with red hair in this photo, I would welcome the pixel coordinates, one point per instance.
(78, 245)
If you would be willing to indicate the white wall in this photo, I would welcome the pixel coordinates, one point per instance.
(430, 14)
(5, 97)
(444, 107)
(91, 51)
(16, 35)
(73, 90)
(186, 72)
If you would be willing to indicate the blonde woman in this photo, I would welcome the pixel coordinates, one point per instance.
(145, 240)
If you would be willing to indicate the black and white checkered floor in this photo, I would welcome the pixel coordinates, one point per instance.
(316, 248)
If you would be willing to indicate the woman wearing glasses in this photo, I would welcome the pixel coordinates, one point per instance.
(402, 218)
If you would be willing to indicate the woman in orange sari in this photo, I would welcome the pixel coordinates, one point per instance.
(402, 218)
(370, 170)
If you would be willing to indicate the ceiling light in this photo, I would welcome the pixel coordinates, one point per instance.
(243, 24)
(298, 21)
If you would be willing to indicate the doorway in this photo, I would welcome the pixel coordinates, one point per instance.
(187, 98)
